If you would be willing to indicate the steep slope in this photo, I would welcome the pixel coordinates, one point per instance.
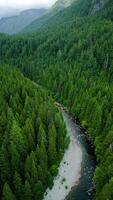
(61, 4)
(97, 5)
(32, 137)
(15, 24)
(58, 15)
(64, 12)
(72, 58)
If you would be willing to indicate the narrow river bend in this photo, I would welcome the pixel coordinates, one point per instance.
(76, 170)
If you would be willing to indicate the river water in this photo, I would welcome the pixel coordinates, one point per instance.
(82, 190)
(76, 168)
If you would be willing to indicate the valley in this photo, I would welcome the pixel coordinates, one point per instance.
(67, 53)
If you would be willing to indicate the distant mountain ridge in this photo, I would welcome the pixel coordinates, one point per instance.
(66, 9)
(33, 19)
(14, 24)
(8, 12)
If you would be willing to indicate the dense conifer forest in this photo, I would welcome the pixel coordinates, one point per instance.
(72, 57)
(32, 137)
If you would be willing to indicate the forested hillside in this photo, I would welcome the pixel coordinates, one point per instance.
(76, 11)
(32, 138)
(71, 56)
(55, 18)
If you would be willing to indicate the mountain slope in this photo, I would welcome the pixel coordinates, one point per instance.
(61, 4)
(32, 137)
(57, 16)
(15, 24)
(72, 57)
(61, 13)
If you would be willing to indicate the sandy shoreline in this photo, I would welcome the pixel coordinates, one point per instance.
(69, 170)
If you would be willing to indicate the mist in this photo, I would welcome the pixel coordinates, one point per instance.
(14, 7)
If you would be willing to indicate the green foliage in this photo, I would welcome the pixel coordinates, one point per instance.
(27, 191)
(7, 193)
(27, 114)
(52, 144)
(54, 170)
(71, 55)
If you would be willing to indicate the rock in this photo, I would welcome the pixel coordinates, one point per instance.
(96, 6)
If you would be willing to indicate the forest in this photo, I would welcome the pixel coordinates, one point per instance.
(73, 60)
(32, 137)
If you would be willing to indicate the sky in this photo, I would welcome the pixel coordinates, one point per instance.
(26, 3)
(13, 7)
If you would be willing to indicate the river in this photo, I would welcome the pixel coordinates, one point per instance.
(76, 170)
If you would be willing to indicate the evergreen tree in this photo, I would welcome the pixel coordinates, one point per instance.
(27, 191)
(52, 144)
(18, 185)
(38, 190)
(7, 193)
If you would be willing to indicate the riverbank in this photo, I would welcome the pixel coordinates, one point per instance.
(69, 170)
(79, 125)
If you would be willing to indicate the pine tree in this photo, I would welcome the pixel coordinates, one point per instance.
(27, 191)
(15, 157)
(7, 193)
(18, 185)
(52, 152)
(4, 164)
(38, 190)
(31, 168)
(17, 138)
(34, 174)
(41, 135)
(29, 134)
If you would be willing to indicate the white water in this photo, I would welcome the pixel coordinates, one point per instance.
(69, 170)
